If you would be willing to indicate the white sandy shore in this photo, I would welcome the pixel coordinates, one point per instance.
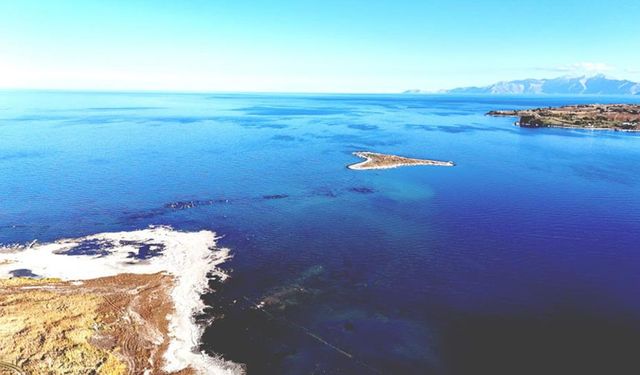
(188, 256)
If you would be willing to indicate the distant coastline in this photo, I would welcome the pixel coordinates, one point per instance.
(616, 117)
(598, 84)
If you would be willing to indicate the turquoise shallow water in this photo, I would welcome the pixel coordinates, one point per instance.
(523, 257)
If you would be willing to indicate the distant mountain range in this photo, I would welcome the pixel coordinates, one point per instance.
(594, 85)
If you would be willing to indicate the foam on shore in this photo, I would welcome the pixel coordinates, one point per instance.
(187, 256)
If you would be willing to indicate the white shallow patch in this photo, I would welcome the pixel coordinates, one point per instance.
(188, 256)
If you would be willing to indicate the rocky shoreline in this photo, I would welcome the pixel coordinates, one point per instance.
(616, 117)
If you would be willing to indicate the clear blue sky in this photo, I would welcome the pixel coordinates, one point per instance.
(310, 46)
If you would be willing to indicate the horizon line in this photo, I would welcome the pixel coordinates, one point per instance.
(405, 91)
(183, 91)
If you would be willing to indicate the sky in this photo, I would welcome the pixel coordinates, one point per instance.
(311, 46)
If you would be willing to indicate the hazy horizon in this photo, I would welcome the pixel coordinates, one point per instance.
(266, 92)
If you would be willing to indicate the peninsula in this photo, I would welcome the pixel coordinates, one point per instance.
(374, 160)
(617, 117)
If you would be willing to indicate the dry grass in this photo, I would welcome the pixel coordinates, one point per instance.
(113, 325)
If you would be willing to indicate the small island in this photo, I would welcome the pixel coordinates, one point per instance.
(374, 160)
(617, 117)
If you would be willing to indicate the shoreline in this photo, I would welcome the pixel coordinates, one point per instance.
(184, 258)
(374, 160)
(560, 126)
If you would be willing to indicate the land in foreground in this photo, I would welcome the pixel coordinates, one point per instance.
(111, 325)
(110, 303)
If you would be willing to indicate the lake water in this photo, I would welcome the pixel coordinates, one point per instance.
(523, 258)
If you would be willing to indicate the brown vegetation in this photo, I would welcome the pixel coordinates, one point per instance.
(112, 325)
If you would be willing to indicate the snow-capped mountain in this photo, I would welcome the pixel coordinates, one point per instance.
(594, 85)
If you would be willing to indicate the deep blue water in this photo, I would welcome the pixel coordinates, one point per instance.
(524, 258)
